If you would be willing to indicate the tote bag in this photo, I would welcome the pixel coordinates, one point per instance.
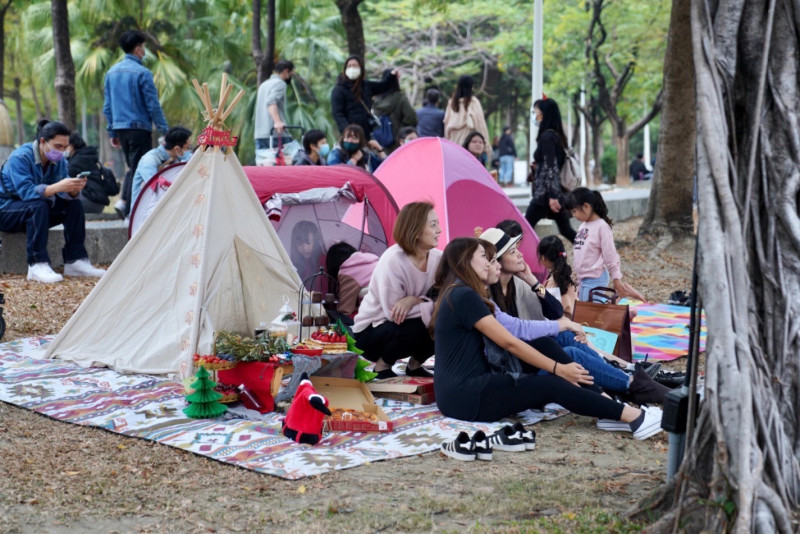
(608, 316)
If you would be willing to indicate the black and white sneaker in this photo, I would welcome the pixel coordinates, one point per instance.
(528, 437)
(481, 446)
(649, 425)
(462, 448)
(506, 439)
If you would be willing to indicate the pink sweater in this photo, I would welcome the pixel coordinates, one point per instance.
(595, 251)
(396, 277)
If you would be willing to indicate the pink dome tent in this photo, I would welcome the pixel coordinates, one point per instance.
(463, 192)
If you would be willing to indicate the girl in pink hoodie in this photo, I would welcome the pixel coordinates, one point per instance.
(596, 259)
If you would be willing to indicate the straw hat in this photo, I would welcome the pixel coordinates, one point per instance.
(500, 240)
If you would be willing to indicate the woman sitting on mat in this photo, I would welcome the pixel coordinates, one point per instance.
(519, 293)
(465, 386)
(640, 388)
(392, 320)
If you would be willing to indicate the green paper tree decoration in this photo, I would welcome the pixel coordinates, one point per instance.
(361, 373)
(203, 402)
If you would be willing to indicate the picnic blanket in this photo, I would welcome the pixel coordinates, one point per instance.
(661, 331)
(150, 407)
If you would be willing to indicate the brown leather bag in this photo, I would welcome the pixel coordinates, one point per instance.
(608, 316)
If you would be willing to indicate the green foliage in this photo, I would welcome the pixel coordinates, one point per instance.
(432, 41)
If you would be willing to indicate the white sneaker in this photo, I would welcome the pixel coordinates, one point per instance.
(651, 424)
(42, 272)
(119, 207)
(82, 268)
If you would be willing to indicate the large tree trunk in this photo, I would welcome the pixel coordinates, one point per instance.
(741, 472)
(353, 26)
(18, 107)
(669, 208)
(622, 143)
(3, 10)
(65, 68)
(264, 59)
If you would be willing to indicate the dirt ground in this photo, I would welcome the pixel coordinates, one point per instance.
(58, 478)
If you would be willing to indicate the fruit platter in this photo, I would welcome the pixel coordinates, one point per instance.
(330, 340)
(229, 393)
(214, 362)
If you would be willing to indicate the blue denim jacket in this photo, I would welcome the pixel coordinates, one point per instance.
(131, 98)
(24, 177)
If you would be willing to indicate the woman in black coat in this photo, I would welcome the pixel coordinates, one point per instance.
(351, 98)
(548, 196)
(101, 182)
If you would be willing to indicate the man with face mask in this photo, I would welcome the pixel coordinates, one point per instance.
(37, 193)
(176, 148)
(270, 113)
(351, 97)
(131, 108)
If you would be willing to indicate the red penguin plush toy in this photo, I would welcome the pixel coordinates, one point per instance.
(303, 422)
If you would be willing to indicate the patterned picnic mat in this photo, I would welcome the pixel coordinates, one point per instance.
(150, 407)
(661, 331)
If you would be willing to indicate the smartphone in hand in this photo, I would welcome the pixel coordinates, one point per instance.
(84, 174)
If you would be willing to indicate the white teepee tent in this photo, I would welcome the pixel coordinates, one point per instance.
(206, 259)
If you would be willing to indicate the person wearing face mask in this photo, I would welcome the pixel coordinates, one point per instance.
(548, 158)
(101, 182)
(315, 149)
(351, 97)
(131, 108)
(270, 113)
(36, 193)
(176, 148)
(354, 149)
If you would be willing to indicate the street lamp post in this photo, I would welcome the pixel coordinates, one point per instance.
(536, 70)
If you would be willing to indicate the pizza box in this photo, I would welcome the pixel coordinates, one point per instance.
(351, 395)
(413, 398)
(416, 390)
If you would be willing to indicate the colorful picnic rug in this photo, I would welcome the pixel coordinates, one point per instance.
(150, 407)
(661, 331)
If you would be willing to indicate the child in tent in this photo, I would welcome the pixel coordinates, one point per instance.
(467, 389)
(308, 252)
(596, 258)
(553, 257)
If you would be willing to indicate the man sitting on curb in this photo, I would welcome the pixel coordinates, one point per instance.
(36, 194)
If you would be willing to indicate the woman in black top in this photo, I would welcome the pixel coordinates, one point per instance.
(351, 98)
(464, 384)
(548, 196)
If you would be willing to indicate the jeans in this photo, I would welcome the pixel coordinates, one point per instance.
(587, 284)
(506, 169)
(605, 375)
(135, 144)
(36, 217)
(536, 213)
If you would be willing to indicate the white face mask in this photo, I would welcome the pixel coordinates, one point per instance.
(352, 72)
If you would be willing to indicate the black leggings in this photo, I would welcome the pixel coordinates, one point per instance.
(503, 396)
(392, 342)
(536, 213)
